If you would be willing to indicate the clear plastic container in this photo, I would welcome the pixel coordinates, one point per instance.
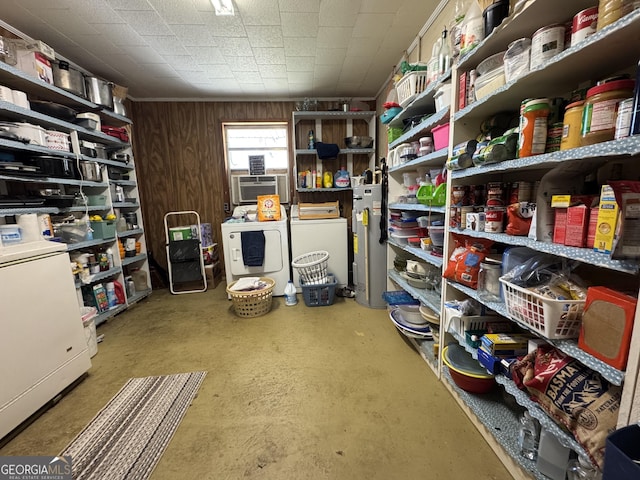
(489, 280)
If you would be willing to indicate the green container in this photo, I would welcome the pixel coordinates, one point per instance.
(179, 233)
(105, 229)
(96, 200)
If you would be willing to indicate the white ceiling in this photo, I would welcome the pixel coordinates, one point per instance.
(179, 49)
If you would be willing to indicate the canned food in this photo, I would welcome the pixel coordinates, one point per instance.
(623, 119)
(460, 195)
(584, 24)
(463, 215)
(520, 192)
(495, 194)
(454, 217)
(554, 137)
(494, 220)
(546, 43)
(477, 195)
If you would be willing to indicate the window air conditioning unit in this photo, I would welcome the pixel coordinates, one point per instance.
(245, 188)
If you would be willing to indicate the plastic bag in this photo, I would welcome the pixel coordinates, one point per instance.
(464, 263)
(519, 217)
(268, 208)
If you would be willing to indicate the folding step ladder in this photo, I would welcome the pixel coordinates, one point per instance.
(184, 255)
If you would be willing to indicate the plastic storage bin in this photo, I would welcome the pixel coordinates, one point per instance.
(319, 295)
(622, 454)
(440, 136)
(104, 229)
(410, 85)
(553, 319)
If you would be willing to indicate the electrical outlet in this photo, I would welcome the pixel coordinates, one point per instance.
(226, 207)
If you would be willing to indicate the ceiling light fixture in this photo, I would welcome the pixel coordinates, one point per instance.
(223, 7)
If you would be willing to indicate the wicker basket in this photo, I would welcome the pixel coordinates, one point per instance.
(312, 267)
(253, 303)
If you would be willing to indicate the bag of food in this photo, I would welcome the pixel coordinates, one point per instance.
(464, 263)
(573, 395)
(268, 208)
(519, 216)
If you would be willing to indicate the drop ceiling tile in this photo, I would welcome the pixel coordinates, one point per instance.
(259, 12)
(202, 5)
(120, 34)
(299, 24)
(299, 46)
(243, 78)
(378, 6)
(325, 72)
(225, 83)
(96, 43)
(146, 22)
(242, 64)
(195, 76)
(310, 6)
(269, 56)
(300, 77)
(165, 45)
(194, 35)
(207, 56)
(97, 12)
(177, 12)
(273, 71)
(234, 46)
(276, 85)
(145, 55)
(334, 37)
(181, 62)
(300, 64)
(363, 46)
(66, 21)
(138, 5)
(330, 56)
(217, 72)
(264, 36)
(225, 26)
(338, 13)
(372, 25)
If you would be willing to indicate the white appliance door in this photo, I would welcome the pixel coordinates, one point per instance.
(273, 261)
(42, 343)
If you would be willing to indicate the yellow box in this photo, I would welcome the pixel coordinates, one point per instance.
(561, 201)
(607, 218)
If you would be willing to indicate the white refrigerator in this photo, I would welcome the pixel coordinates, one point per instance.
(328, 234)
(43, 348)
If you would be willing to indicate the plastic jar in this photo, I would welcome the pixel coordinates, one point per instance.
(533, 127)
(601, 108)
(610, 11)
(572, 126)
(489, 280)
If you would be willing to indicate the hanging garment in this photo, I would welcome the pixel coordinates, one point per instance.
(253, 248)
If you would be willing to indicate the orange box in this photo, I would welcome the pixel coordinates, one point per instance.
(606, 327)
(560, 226)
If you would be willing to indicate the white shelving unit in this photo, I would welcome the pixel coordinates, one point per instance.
(35, 88)
(600, 55)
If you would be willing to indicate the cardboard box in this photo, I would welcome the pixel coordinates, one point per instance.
(501, 344)
(462, 90)
(35, 64)
(607, 218)
(560, 226)
(476, 221)
(560, 201)
(576, 227)
(488, 361)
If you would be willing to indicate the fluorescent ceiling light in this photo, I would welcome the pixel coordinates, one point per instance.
(223, 7)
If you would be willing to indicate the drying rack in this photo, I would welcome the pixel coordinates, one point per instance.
(184, 258)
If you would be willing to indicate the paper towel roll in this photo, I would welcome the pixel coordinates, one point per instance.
(30, 226)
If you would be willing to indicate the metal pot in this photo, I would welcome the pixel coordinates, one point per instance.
(118, 106)
(68, 78)
(99, 91)
(91, 171)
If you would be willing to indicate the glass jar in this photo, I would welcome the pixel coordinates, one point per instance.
(582, 469)
(489, 280)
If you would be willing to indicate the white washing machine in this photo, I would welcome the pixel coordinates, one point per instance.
(328, 234)
(275, 263)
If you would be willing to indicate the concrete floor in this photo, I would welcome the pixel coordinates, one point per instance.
(300, 393)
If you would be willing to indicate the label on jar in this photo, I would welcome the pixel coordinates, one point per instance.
(539, 138)
(623, 118)
(599, 116)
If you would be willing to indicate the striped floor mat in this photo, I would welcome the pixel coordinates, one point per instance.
(127, 437)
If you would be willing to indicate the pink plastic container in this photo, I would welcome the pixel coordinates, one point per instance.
(440, 136)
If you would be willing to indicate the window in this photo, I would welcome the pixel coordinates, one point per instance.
(243, 140)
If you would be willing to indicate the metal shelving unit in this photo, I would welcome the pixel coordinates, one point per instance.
(430, 298)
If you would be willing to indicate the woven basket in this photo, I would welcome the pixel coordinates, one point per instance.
(312, 267)
(255, 302)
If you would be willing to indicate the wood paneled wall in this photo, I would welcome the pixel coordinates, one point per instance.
(179, 156)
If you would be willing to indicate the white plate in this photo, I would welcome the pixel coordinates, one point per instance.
(406, 329)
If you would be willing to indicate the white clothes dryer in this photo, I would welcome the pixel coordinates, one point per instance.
(275, 263)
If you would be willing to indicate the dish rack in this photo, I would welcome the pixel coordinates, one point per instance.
(410, 85)
(553, 319)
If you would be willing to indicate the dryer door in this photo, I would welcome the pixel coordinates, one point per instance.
(273, 258)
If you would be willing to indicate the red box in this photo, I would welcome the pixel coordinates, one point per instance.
(440, 136)
(591, 230)
(607, 323)
(560, 226)
(576, 228)
(462, 92)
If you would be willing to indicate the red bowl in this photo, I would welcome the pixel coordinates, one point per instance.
(471, 384)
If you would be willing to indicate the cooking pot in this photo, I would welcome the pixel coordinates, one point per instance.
(118, 106)
(91, 171)
(99, 91)
(68, 78)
